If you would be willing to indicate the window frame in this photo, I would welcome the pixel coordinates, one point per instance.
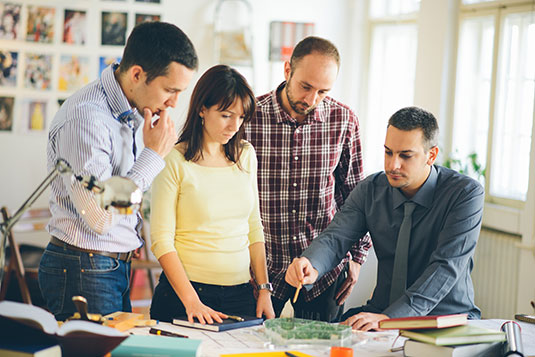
(499, 10)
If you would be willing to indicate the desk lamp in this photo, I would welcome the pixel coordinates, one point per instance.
(117, 194)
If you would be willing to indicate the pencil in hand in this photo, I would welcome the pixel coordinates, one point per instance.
(297, 291)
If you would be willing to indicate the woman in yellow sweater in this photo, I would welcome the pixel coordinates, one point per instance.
(205, 221)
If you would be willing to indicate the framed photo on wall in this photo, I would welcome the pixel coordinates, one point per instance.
(284, 35)
(6, 113)
(73, 72)
(140, 18)
(8, 68)
(105, 61)
(9, 21)
(38, 71)
(40, 25)
(74, 27)
(34, 115)
(113, 29)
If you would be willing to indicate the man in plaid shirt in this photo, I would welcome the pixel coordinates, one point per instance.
(309, 159)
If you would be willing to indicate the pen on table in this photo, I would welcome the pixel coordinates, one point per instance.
(236, 318)
(297, 291)
(397, 349)
(290, 354)
(155, 331)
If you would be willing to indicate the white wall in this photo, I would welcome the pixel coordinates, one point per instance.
(23, 156)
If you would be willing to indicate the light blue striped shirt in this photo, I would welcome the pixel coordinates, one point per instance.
(95, 131)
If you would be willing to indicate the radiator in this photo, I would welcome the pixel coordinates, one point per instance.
(495, 274)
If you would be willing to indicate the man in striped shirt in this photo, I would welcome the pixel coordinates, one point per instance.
(96, 131)
(309, 160)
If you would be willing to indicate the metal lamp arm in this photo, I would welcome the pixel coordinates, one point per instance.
(61, 167)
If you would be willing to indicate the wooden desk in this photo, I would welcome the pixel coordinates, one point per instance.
(367, 344)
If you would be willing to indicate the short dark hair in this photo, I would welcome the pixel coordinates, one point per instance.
(221, 85)
(154, 45)
(411, 118)
(312, 44)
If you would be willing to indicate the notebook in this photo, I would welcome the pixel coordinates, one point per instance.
(227, 324)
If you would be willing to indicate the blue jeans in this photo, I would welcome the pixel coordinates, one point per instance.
(103, 281)
(233, 300)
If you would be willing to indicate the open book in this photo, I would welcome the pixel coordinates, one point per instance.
(27, 323)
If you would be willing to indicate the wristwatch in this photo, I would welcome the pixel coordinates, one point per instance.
(266, 286)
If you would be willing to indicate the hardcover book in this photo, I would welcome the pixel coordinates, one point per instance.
(459, 335)
(418, 322)
(422, 349)
(227, 324)
(29, 349)
(140, 345)
(21, 323)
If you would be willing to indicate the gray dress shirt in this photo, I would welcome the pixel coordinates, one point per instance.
(445, 229)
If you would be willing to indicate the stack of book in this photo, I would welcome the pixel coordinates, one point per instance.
(445, 336)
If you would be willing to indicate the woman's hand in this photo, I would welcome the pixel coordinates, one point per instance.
(204, 314)
(264, 306)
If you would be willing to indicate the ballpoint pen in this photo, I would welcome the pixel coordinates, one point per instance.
(236, 318)
(155, 331)
(290, 354)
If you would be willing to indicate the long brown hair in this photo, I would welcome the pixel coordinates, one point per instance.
(221, 85)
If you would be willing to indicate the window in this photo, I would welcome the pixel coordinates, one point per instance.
(474, 72)
(494, 97)
(392, 65)
(384, 8)
(514, 107)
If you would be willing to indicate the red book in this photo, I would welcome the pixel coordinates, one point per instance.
(418, 322)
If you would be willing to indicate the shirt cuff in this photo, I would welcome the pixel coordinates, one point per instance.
(147, 166)
(401, 308)
(163, 247)
(359, 256)
(256, 236)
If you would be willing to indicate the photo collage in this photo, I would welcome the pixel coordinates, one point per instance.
(50, 49)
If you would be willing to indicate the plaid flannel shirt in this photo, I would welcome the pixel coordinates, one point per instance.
(305, 172)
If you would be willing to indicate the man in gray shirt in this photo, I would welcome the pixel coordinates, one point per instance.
(432, 275)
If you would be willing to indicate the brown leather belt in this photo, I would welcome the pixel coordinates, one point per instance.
(127, 257)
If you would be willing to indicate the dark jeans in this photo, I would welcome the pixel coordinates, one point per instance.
(103, 281)
(233, 300)
(323, 308)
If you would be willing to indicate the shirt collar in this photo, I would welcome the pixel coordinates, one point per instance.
(319, 113)
(424, 196)
(119, 105)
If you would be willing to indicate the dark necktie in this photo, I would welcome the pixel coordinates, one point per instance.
(399, 274)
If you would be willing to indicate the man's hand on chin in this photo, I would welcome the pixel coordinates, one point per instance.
(365, 321)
